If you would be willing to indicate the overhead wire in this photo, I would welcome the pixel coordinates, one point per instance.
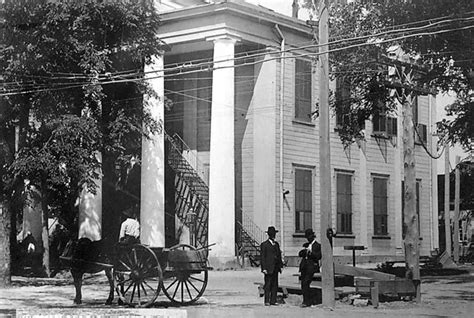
(310, 54)
(264, 51)
(423, 144)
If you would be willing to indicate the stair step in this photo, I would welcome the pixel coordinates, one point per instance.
(192, 191)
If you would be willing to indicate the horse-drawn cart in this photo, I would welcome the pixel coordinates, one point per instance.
(140, 272)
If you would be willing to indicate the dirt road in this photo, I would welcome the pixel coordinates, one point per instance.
(230, 294)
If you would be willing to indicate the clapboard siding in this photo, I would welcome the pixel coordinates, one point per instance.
(301, 147)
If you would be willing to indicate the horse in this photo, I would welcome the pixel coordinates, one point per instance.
(86, 256)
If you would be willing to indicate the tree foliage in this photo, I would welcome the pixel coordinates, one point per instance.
(437, 34)
(63, 65)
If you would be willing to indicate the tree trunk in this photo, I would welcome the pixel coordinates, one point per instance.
(412, 253)
(5, 256)
(6, 234)
(45, 230)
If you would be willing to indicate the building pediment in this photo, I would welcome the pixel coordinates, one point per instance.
(247, 22)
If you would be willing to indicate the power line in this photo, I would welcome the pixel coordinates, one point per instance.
(245, 55)
(209, 68)
(424, 146)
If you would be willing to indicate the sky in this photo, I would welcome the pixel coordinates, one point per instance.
(280, 6)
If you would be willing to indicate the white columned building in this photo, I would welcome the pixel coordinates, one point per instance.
(152, 198)
(222, 159)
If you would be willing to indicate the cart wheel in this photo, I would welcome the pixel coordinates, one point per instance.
(137, 276)
(184, 287)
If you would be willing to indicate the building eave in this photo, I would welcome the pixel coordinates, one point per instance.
(251, 12)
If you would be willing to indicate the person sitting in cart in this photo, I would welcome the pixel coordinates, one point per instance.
(130, 228)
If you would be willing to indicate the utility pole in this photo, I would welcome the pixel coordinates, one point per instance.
(447, 216)
(327, 263)
(457, 189)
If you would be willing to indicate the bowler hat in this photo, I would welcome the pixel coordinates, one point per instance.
(271, 229)
(309, 233)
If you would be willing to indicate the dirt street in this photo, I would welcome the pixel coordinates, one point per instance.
(230, 294)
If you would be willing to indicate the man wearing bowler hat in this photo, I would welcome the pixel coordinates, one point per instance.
(271, 264)
(310, 254)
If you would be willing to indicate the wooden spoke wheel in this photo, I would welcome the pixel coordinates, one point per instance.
(185, 283)
(138, 276)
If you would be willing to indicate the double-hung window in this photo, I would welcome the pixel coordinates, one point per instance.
(303, 84)
(344, 202)
(421, 130)
(303, 199)
(380, 200)
(384, 125)
(343, 102)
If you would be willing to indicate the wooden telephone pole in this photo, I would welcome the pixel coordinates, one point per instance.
(327, 263)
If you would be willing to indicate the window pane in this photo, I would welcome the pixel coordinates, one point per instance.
(415, 110)
(303, 199)
(307, 221)
(303, 76)
(344, 202)
(380, 206)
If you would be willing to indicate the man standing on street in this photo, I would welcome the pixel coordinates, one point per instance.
(271, 264)
(311, 254)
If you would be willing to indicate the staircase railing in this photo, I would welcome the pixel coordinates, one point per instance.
(192, 194)
(253, 229)
(248, 239)
(190, 156)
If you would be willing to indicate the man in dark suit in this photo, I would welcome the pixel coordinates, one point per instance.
(271, 264)
(311, 254)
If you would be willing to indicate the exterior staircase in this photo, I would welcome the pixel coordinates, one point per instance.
(192, 193)
(192, 202)
(248, 239)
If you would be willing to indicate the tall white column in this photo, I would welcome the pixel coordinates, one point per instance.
(152, 197)
(222, 159)
(90, 210)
